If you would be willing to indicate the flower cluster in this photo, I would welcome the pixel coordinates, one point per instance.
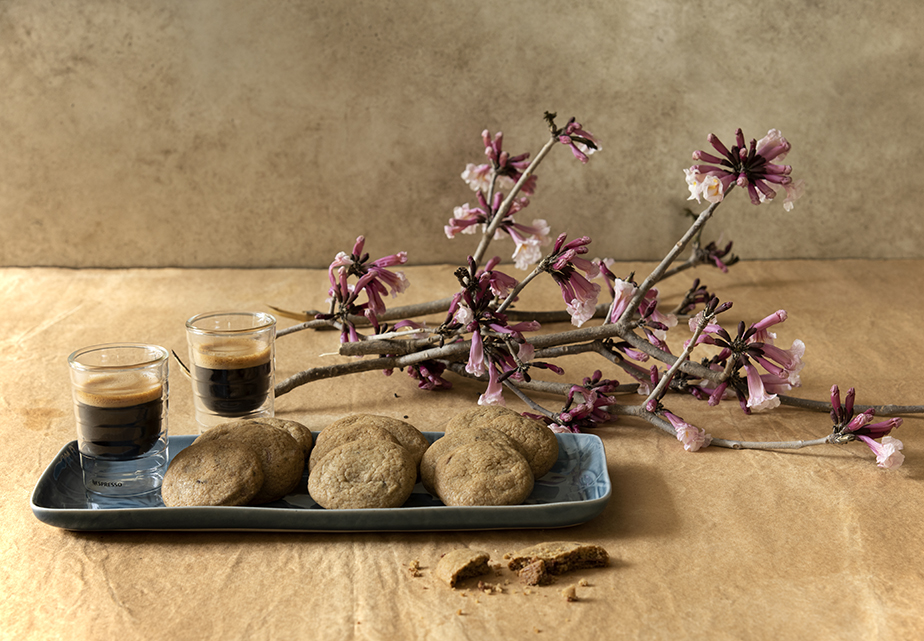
(748, 166)
(849, 426)
(590, 412)
(374, 278)
(497, 348)
(564, 263)
(752, 346)
(506, 172)
(502, 170)
(582, 142)
(528, 238)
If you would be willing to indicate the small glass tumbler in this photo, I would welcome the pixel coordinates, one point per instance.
(120, 401)
(232, 365)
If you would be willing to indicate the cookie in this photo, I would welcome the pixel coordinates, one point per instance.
(218, 472)
(408, 436)
(281, 456)
(362, 474)
(535, 437)
(462, 564)
(560, 556)
(334, 436)
(452, 440)
(296, 430)
(482, 473)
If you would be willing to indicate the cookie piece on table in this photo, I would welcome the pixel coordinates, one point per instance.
(296, 430)
(282, 457)
(408, 436)
(363, 474)
(560, 556)
(462, 564)
(335, 435)
(535, 437)
(482, 473)
(217, 472)
(535, 573)
(451, 441)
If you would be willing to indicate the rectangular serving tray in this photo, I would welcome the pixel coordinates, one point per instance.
(576, 490)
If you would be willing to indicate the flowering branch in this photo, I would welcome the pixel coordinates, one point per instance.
(483, 337)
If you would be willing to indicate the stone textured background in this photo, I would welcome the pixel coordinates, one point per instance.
(246, 133)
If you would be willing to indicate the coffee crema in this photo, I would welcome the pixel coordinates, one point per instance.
(232, 377)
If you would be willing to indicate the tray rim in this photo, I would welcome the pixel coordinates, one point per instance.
(286, 519)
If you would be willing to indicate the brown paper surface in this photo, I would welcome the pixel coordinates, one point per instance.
(718, 544)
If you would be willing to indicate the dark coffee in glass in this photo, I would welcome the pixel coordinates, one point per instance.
(231, 364)
(232, 377)
(120, 431)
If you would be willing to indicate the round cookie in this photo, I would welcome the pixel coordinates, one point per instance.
(408, 436)
(363, 474)
(218, 472)
(281, 456)
(483, 473)
(452, 440)
(334, 436)
(537, 440)
(296, 430)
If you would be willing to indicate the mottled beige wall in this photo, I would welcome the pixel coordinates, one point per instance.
(229, 132)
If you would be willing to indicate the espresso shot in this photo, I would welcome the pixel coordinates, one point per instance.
(118, 424)
(233, 378)
(120, 393)
(231, 365)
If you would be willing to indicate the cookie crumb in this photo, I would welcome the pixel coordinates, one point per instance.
(490, 588)
(414, 568)
(569, 593)
(459, 612)
(583, 583)
(535, 573)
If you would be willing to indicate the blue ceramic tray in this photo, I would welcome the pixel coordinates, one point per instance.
(576, 490)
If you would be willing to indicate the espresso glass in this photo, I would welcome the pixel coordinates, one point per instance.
(232, 365)
(120, 396)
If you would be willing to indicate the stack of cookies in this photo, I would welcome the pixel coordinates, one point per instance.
(489, 455)
(239, 463)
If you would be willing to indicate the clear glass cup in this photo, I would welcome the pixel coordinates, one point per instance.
(120, 396)
(232, 365)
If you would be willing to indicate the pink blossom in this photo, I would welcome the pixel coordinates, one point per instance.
(582, 142)
(758, 399)
(789, 361)
(579, 294)
(494, 394)
(465, 219)
(623, 292)
(528, 241)
(478, 177)
(581, 311)
(888, 454)
(692, 437)
(793, 191)
(476, 364)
